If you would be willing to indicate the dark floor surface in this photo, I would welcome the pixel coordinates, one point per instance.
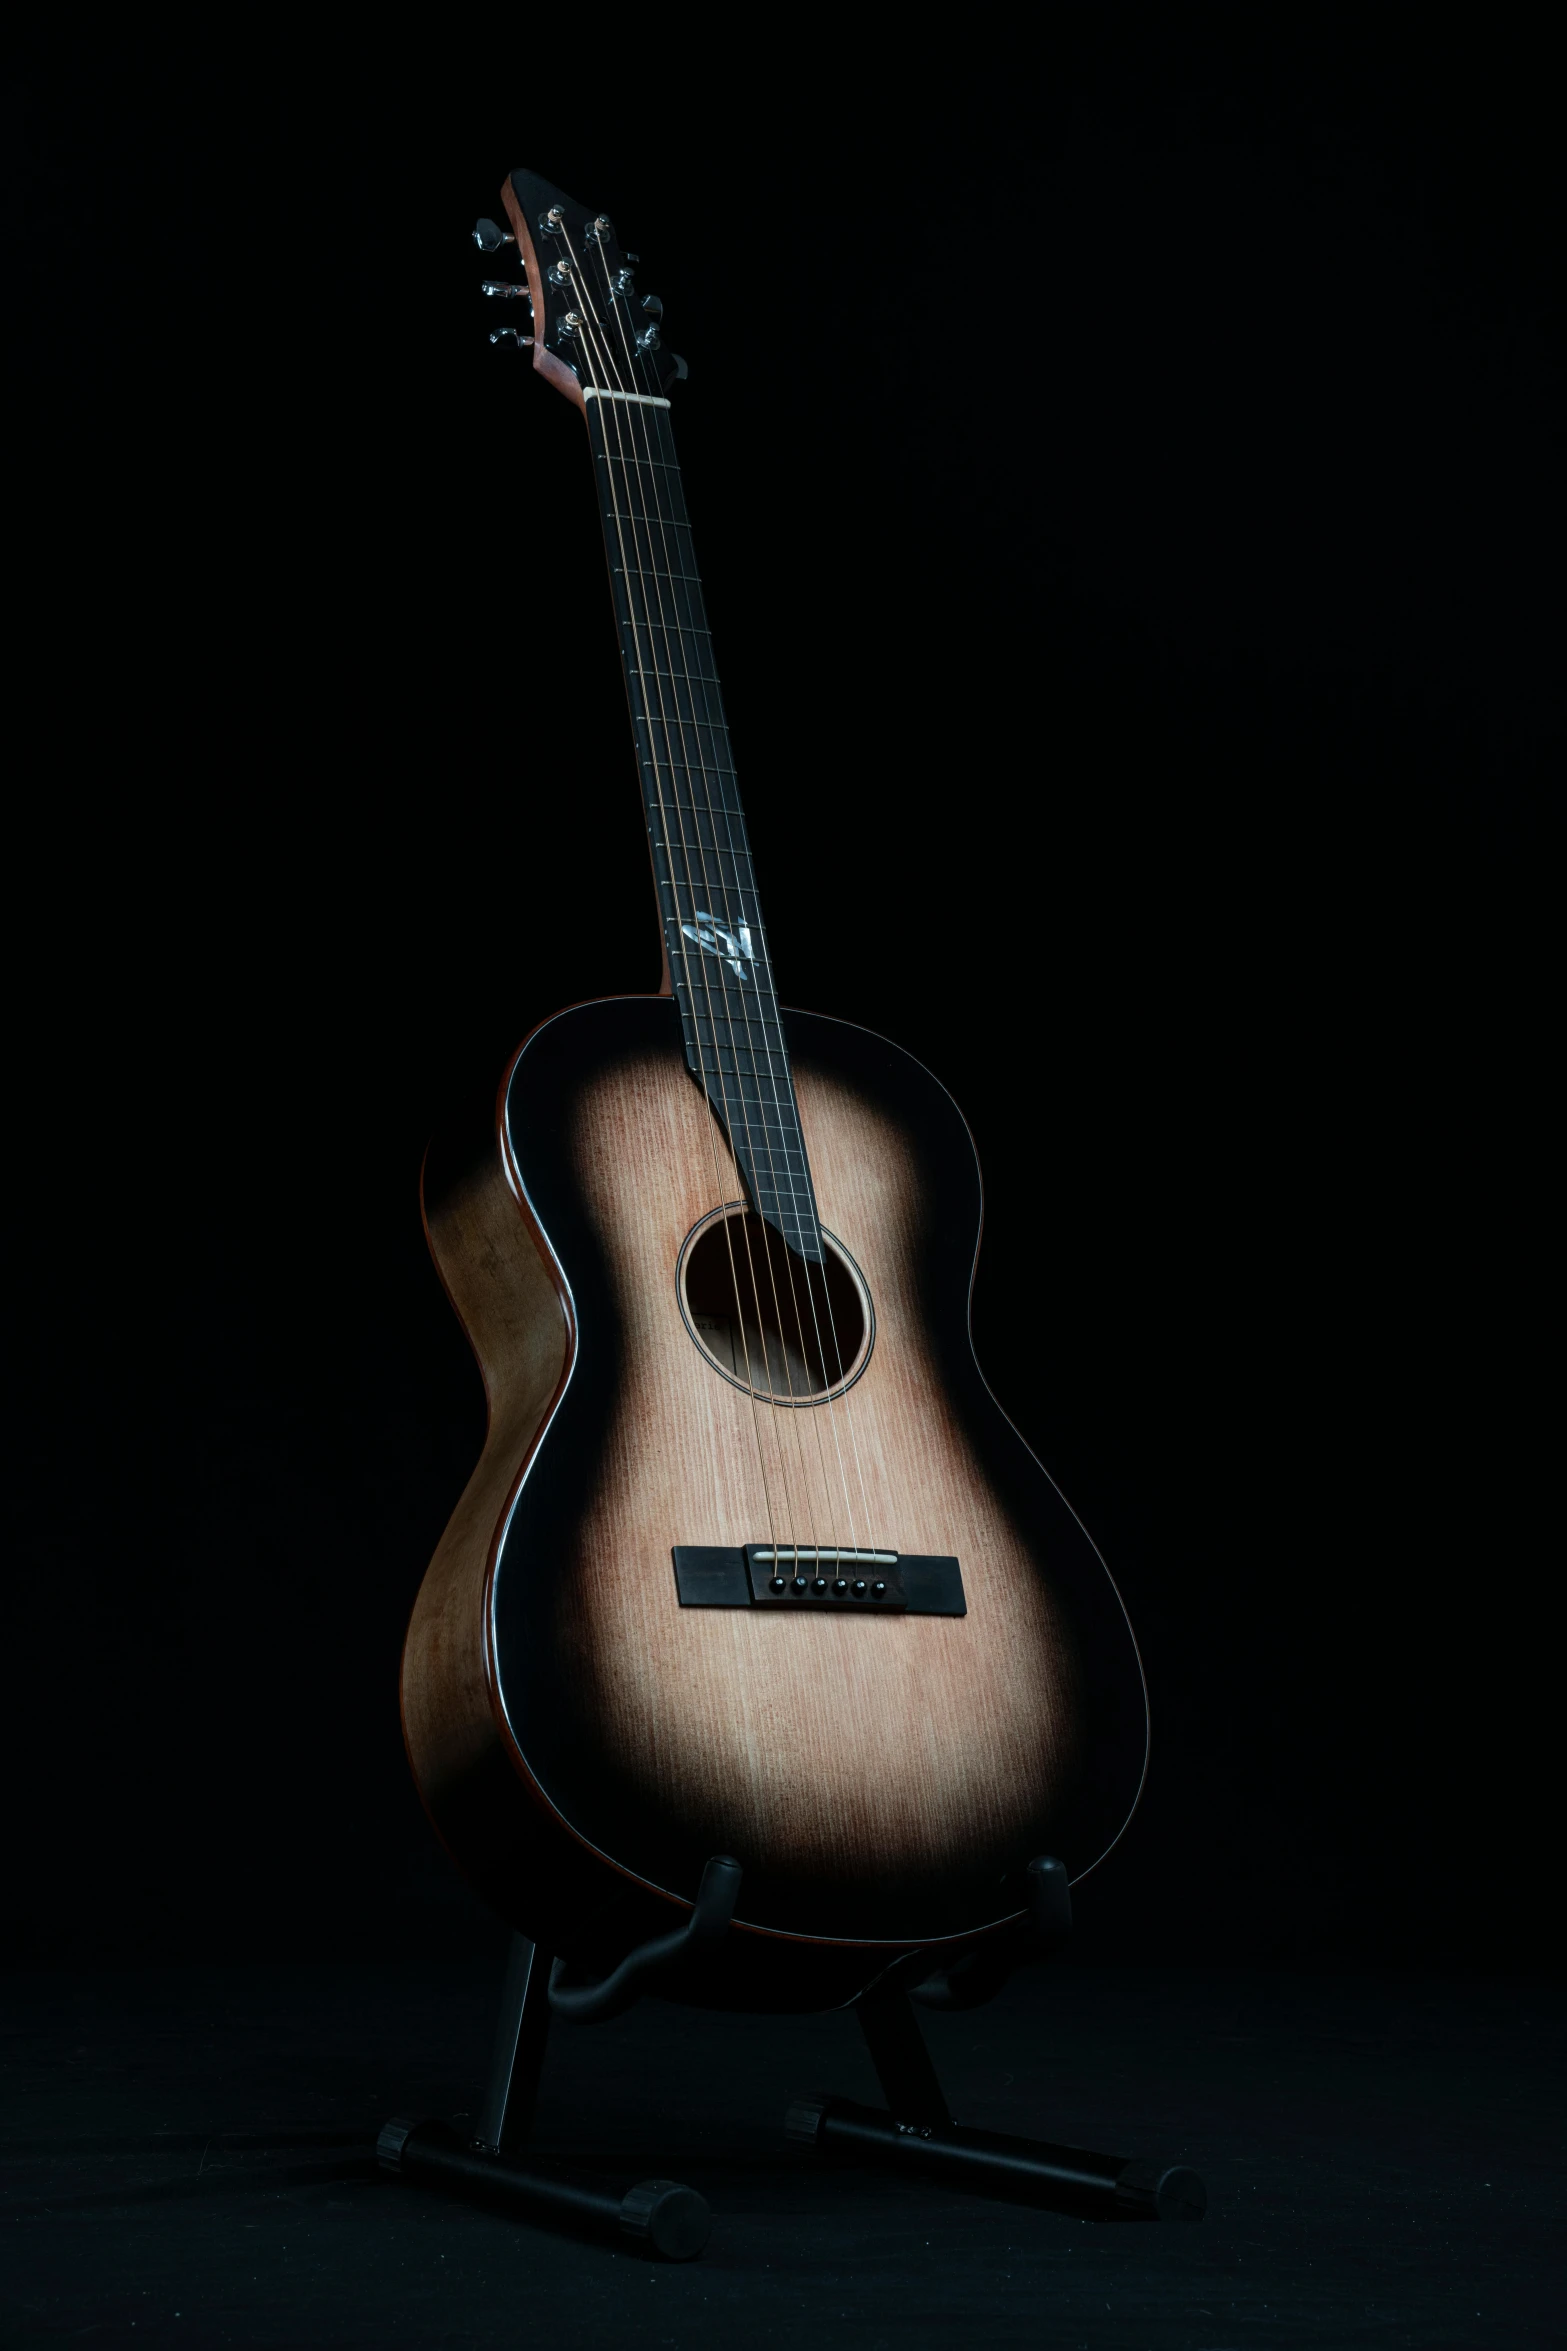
(189, 2161)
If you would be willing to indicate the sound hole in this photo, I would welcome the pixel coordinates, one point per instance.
(768, 1320)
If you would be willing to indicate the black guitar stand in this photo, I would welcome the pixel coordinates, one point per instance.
(915, 2133)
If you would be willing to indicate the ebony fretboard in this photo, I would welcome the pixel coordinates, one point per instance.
(717, 947)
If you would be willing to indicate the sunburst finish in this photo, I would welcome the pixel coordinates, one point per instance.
(583, 1740)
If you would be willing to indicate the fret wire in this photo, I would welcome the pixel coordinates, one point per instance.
(768, 1046)
(745, 1058)
(783, 1132)
(659, 726)
(749, 1052)
(679, 763)
(691, 767)
(757, 1006)
(738, 856)
(691, 891)
(740, 1060)
(688, 875)
(694, 807)
(697, 885)
(748, 1058)
(765, 1050)
(667, 755)
(653, 571)
(759, 1011)
(740, 879)
(687, 715)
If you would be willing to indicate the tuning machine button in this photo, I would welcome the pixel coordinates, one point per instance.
(513, 335)
(653, 306)
(502, 290)
(489, 236)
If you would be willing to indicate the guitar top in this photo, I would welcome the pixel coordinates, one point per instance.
(752, 1563)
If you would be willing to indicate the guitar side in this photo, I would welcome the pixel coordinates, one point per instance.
(500, 1284)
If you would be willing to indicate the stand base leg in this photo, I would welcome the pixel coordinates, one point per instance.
(992, 2163)
(657, 2217)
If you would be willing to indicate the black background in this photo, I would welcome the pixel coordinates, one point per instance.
(1123, 466)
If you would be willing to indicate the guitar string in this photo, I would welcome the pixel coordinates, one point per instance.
(767, 1237)
(633, 577)
(647, 458)
(785, 1115)
(835, 1384)
(774, 1132)
(653, 715)
(806, 1268)
(640, 479)
(758, 1390)
(630, 571)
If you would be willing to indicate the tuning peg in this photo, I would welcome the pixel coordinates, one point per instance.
(653, 306)
(505, 291)
(489, 236)
(522, 341)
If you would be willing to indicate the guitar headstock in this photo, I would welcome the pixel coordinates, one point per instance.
(594, 331)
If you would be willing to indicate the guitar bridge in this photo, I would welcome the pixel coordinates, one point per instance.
(806, 1577)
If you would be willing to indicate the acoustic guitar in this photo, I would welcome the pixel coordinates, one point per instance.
(753, 1563)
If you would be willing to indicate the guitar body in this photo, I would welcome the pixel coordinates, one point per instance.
(583, 1740)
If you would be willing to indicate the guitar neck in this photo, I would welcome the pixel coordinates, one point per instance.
(713, 931)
